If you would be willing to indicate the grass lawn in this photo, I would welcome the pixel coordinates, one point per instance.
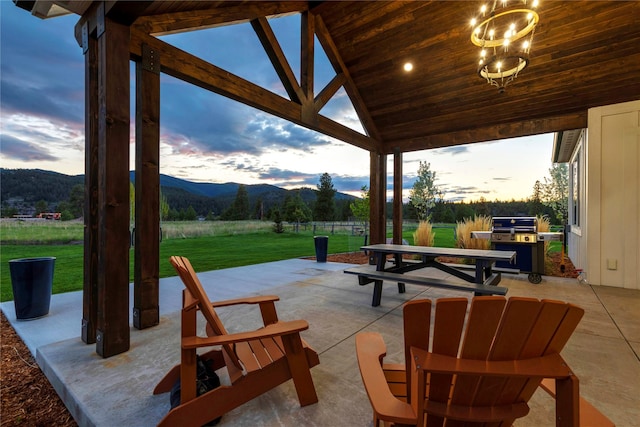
(205, 252)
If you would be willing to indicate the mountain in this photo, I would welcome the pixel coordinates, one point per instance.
(22, 188)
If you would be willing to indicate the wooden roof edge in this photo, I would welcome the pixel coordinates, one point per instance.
(536, 126)
(233, 13)
(52, 9)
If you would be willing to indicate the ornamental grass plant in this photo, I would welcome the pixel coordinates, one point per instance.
(464, 229)
(424, 234)
(543, 226)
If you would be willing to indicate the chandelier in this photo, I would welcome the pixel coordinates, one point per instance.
(504, 33)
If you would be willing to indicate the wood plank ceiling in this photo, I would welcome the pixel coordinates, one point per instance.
(584, 54)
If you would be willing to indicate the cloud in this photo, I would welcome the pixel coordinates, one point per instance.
(43, 74)
(454, 150)
(17, 149)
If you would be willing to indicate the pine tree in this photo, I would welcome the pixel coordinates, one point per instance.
(324, 209)
(239, 210)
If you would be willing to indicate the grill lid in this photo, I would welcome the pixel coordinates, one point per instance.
(514, 224)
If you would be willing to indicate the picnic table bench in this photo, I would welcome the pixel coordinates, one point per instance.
(484, 281)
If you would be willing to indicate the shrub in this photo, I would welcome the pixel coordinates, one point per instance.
(464, 229)
(424, 234)
(277, 222)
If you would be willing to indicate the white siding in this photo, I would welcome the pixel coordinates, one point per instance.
(612, 222)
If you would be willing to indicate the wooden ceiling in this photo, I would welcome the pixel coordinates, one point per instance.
(584, 54)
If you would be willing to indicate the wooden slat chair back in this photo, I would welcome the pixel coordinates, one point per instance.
(474, 364)
(256, 361)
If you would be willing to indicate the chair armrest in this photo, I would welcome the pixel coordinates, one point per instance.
(247, 300)
(370, 350)
(269, 331)
(550, 366)
(589, 414)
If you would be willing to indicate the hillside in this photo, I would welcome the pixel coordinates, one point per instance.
(22, 188)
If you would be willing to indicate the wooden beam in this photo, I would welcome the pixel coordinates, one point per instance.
(377, 198)
(329, 90)
(147, 223)
(90, 213)
(112, 333)
(330, 49)
(196, 71)
(576, 120)
(278, 59)
(209, 17)
(307, 44)
(397, 197)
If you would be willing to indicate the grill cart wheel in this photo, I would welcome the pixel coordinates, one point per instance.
(535, 278)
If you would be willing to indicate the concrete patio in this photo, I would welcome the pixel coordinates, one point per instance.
(118, 391)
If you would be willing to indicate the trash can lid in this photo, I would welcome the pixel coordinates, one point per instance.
(48, 258)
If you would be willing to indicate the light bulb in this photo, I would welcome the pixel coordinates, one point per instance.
(505, 43)
(483, 53)
(525, 44)
(408, 66)
(473, 22)
(483, 9)
(535, 3)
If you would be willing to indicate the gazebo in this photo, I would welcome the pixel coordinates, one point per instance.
(585, 55)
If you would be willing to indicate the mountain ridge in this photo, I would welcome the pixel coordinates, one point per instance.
(23, 187)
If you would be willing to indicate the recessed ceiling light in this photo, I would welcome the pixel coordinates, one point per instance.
(408, 66)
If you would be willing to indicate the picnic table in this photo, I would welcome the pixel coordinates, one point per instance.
(483, 280)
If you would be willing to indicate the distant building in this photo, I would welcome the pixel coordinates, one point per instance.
(49, 215)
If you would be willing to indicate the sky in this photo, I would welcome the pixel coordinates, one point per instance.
(208, 138)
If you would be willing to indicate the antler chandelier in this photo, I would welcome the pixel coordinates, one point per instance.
(504, 34)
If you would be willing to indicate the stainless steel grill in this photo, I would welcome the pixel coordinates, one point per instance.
(520, 234)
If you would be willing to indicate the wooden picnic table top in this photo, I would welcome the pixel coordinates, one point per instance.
(430, 251)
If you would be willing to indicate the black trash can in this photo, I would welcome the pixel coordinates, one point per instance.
(32, 283)
(321, 243)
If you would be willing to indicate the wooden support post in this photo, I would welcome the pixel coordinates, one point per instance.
(307, 31)
(377, 198)
(397, 196)
(147, 223)
(112, 333)
(90, 282)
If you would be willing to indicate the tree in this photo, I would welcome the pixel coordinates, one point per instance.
(190, 214)
(277, 222)
(424, 192)
(360, 207)
(535, 203)
(324, 209)
(132, 203)
(164, 207)
(556, 191)
(41, 206)
(239, 210)
(295, 209)
(76, 200)
(258, 210)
